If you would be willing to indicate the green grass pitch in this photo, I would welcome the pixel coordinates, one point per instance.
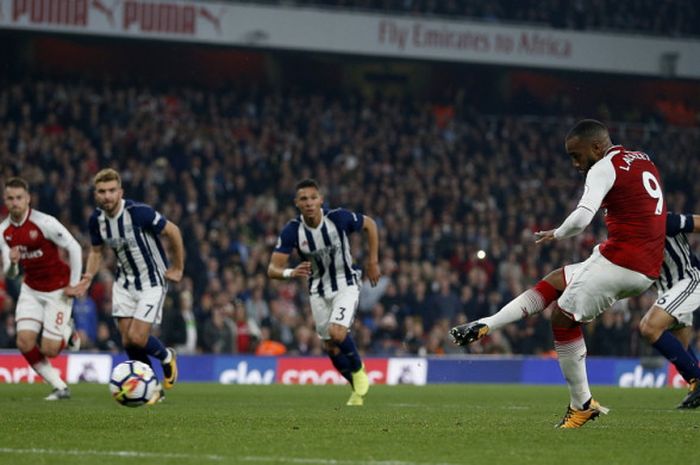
(310, 425)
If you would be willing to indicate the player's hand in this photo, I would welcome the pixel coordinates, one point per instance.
(79, 289)
(302, 270)
(173, 274)
(373, 273)
(73, 291)
(544, 236)
(14, 254)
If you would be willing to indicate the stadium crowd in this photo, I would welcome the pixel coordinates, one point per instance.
(456, 193)
(671, 18)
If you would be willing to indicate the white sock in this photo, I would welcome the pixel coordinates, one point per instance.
(50, 374)
(526, 304)
(572, 361)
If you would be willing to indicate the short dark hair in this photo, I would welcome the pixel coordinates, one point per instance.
(308, 182)
(17, 182)
(588, 129)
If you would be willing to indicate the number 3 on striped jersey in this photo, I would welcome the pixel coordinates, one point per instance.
(651, 184)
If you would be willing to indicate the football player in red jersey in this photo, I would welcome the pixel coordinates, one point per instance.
(30, 239)
(627, 185)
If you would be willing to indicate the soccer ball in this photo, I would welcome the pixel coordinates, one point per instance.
(133, 383)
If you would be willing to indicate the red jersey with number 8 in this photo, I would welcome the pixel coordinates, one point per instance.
(635, 213)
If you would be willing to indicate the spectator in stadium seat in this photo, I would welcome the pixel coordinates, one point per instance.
(269, 347)
(105, 341)
(247, 330)
(219, 332)
(86, 317)
(173, 327)
(8, 333)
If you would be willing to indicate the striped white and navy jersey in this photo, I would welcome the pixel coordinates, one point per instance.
(679, 260)
(326, 247)
(133, 235)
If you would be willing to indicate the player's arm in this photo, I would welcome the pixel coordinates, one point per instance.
(177, 252)
(10, 259)
(75, 258)
(599, 181)
(695, 219)
(59, 235)
(370, 227)
(278, 268)
(94, 259)
(92, 266)
(685, 223)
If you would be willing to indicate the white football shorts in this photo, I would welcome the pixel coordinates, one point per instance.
(50, 310)
(592, 286)
(681, 300)
(339, 308)
(145, 305)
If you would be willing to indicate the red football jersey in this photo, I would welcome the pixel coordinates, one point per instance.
(635, 213)
(39, 257)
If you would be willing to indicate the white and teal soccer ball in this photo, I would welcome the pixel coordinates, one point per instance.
(133, 383)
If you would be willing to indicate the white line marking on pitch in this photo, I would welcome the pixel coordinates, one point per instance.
(332, 461)
(218, 458)
(110, 453)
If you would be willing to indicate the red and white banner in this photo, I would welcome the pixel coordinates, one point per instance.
(363, 34)
(121, 17)
(15, 369)
(73, 368)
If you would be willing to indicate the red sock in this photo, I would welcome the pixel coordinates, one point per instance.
(33, 356)
(564, 335)
(548, 292)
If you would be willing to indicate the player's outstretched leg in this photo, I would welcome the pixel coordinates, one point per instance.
(465, 334)
(528, 303)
